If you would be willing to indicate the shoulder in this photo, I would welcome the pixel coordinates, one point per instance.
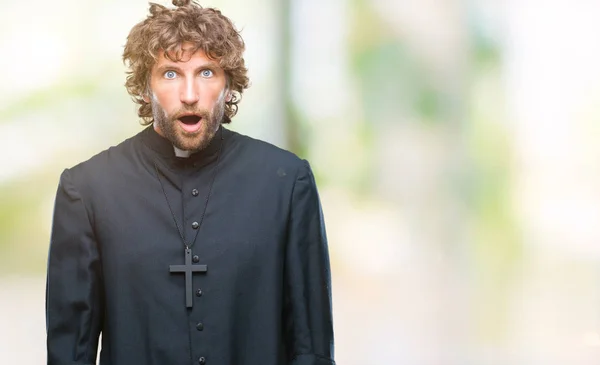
(100, 166)
(262, 154)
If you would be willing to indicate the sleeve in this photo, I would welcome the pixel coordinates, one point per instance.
(74, 299)
(307, 300)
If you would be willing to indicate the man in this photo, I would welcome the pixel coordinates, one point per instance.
(188, 243)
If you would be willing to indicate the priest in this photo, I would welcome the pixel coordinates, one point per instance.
(188, 243)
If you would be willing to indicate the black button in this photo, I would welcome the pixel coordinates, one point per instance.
(200, 326)
(195, 192)
(195, 259)
(199, 292)
(195, 225)
(201, 361)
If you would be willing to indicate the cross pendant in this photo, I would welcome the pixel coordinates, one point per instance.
(188, 268)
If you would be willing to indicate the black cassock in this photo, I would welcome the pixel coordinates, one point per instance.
(265, 297)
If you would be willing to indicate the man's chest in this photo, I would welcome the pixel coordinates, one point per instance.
(235, 229)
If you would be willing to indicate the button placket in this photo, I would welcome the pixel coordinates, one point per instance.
(195, 225)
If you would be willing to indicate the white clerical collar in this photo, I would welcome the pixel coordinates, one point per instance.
(181, 153)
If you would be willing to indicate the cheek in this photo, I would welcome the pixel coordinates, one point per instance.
(167, 99)
(212, 92)
(211, 97)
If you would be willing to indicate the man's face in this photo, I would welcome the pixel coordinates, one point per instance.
(188, 99)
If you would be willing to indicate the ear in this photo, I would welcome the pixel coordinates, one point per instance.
(146, 98)
(229, 97)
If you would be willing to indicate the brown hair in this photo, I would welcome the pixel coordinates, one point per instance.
(165, 30)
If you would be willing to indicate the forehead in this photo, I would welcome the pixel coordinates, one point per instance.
(183, 56)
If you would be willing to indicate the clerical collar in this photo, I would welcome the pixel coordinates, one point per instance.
(165, 149)
(181, 153)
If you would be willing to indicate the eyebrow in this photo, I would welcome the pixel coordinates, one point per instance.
(174, 67)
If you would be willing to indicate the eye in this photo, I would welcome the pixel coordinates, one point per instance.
(206, 73)
(170, 75)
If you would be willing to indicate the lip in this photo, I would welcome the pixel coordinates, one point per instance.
(190, 128)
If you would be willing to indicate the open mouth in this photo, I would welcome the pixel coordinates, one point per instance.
(189, 119)
(190, 123)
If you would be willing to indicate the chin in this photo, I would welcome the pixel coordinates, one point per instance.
(192, 144)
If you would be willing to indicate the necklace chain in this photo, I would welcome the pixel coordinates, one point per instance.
(179, 230)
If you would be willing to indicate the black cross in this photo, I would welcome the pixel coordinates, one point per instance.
(188, 269)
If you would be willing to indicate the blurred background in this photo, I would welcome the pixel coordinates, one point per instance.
(455, 145)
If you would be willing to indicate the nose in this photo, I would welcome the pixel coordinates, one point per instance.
(190, 92)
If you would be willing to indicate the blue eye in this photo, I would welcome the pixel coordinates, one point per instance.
(206, 73)
(170, 74)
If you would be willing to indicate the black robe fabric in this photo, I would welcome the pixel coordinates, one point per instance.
(266, 297)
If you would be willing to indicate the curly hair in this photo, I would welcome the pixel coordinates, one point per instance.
(165, 30)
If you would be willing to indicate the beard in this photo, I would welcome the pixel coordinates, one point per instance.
(184, 140)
